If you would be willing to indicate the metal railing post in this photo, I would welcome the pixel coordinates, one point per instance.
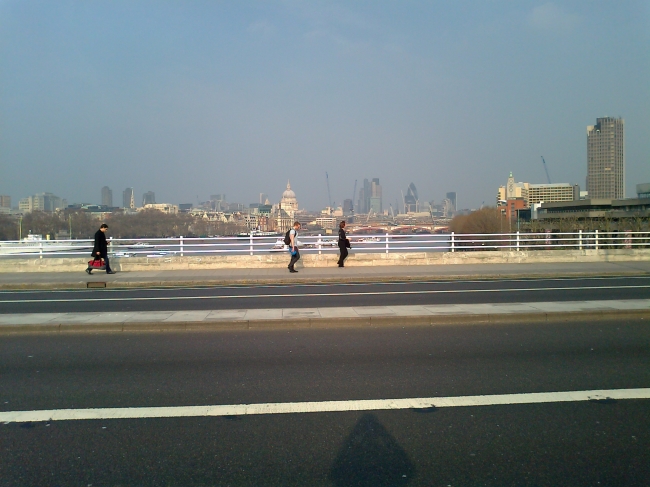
(452, 242)
(517, 240)
(580, 239)
(110, 245)
(40, 250)
(596, 239)
(251, 242)
(181, 245)
(387, 243)
(320, 244)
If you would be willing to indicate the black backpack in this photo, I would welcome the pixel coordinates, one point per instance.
(287, 237)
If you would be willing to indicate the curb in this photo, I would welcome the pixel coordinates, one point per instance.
(148, 284)
(321, 323)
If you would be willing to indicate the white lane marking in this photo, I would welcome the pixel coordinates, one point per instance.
(164, 288)
(312, 295)
(319, 407)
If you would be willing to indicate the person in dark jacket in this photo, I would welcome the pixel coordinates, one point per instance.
(344, 244)
(100, 249)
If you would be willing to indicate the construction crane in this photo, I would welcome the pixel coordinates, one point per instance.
(329, 196)
(546, 169)
(431, 213)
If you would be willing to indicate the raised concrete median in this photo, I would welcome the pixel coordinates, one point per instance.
(369, 316)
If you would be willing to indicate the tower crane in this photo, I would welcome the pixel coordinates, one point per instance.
(329, 196)
(546, 169)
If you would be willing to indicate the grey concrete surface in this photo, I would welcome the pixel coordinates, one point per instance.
(324, 317)
(206, 277)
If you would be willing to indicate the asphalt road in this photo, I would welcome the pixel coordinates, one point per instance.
(586, 443)
(323, 295)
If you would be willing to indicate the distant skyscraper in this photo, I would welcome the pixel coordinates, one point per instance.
(452, 198)
(128, 198)
(411, 200)
(263, 198)
(107, 196)
(606, 159)
(376, 203)
(149, 198)
(5, 201)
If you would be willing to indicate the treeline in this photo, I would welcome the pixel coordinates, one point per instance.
(492, 221)
(144, 224)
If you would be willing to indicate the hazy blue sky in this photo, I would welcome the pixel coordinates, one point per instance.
(192, 98)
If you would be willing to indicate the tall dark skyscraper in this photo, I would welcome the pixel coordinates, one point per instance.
(128, 198)
(606, 159)
(149, 198)
(107, 196)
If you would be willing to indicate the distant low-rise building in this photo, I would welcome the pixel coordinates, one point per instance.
(164, 207)
(595, 209)
(643, 190)
(42, 202)
(5, 201)
(536, 193)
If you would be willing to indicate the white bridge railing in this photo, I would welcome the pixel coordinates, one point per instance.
(378, 243)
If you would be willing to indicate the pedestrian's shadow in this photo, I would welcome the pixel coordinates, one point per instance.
(370, 456)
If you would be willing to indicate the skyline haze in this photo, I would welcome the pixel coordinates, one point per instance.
(196, 98)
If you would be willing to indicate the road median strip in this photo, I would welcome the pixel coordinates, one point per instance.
(371, 316)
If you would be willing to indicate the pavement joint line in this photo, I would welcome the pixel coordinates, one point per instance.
(419, 403)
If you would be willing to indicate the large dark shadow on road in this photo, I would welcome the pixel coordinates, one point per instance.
(371, 457)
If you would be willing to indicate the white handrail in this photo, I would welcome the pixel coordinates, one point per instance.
(384, 243)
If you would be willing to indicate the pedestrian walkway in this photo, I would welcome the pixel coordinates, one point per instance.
(201, 277)
(207, 320)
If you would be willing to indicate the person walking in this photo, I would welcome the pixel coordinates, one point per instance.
(344, 244)
(293, 246)
(100, 249)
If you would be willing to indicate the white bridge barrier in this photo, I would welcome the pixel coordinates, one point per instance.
(383, 243)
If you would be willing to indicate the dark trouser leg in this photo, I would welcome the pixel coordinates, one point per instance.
(294, 259)
(108, 266)
(343, 256)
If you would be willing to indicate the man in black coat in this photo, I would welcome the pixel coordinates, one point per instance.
(100, 249)
(344, 244)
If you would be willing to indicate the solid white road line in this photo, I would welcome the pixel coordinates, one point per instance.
(320, 407)
(313, 295)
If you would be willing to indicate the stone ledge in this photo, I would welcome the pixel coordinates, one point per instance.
(279, 261)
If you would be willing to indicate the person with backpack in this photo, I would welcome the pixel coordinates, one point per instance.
(291, 239)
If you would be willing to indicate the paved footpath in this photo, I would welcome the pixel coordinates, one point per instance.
(200, 277)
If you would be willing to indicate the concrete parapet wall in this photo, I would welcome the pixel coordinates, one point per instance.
(280, 260)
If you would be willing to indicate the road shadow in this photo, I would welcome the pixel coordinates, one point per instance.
(371, 457)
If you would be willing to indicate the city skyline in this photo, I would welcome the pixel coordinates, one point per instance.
(192, 98)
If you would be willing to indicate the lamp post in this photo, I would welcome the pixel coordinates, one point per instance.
(70, 226)
(20, 228)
